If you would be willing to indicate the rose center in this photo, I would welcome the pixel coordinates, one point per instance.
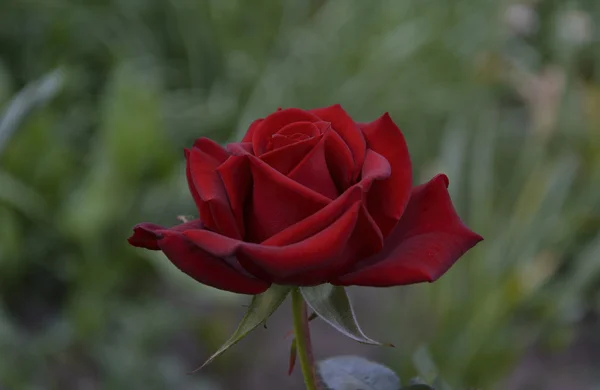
(296, 132)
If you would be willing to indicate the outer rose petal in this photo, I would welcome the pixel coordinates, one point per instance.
(237, 180)
(343, 124)
(316, 249)
(212, 149)
(194, 261)
(365, 241)
(209, 192)
(251, 130)
(388, 198)
(279, 264)
(144, 234)
(428, 240)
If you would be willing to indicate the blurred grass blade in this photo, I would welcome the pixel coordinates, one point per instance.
(260, 309)
(30, 97)
(21, 197)
(332, 304)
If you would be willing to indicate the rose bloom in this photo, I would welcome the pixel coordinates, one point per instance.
(311, 197)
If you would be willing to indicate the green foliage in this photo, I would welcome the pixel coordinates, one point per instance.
(502, 97)
(332, 305)
(259, 311)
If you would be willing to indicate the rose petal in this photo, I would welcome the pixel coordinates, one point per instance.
(145, 236)
(279, 264)
(376, 168)
(316, 222)
(275, 122)
(285, 263)
(323, 253)
(209, 193)
(237, 180)
(194, 261)
(312, 172)
(201, 205)
(251, 129)
(348, 130)
(279, 141)
(286, 158)
(339, 160)
(212, 149)
(428, 240)
(208, 269)
(388, 198)
(277, 202)
(240, 148)
(307, 128)
(366, 240)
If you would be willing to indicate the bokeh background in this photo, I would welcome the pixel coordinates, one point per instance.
(98, 98)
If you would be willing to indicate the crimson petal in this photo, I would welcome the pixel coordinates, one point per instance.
(343, 124)
(144, 234)
(339, 160)
(388, 198)
(312, 172)
(209, 193)
(277, 202)
(194, 261)
(237, 181)
(320, 246)
(427, 241)
(287, 157)
(251, 129)
(279, 264)
(275, 122)
(375, 168)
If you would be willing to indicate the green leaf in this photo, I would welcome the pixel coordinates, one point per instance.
(332, 304)
(261, 308)
(356, 373)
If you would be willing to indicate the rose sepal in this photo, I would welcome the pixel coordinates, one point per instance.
(260, 309)
(333, 305)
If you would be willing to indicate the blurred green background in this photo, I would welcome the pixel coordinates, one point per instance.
(98, 99)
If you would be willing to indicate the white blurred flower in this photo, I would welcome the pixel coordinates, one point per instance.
(574, 27)
(522, 19)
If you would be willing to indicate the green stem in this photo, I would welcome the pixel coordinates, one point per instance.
(303, 345)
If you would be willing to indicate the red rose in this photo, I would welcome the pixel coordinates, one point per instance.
(311, 197)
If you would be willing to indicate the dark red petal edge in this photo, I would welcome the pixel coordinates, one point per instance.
(428, 240)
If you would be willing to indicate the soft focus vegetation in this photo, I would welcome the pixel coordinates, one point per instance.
(98, 99)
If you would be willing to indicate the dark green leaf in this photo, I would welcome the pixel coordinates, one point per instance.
(356, 373)
(331, 303)
(261, 308)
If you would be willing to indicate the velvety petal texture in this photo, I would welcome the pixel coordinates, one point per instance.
(311, 197)
(195, 261)
(424, 245)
